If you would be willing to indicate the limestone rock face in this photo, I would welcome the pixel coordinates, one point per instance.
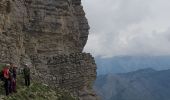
(50, 36)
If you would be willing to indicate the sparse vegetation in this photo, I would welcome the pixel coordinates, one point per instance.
(36, 91)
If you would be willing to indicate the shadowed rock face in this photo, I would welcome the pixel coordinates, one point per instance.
(39, 32)
(57, 26)
(44, 27)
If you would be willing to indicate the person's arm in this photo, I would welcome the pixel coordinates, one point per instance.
(24, 71)
(6, 74)
(29, 70)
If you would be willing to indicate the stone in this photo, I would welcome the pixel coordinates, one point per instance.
(49, 35)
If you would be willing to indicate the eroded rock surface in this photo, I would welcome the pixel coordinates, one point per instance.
(50, 35)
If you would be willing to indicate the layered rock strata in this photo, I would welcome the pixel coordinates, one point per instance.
(49, 35)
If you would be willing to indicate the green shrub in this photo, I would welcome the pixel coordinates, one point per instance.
(36, 91)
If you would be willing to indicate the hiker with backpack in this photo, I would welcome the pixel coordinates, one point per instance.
(6, 78)
(26, 72)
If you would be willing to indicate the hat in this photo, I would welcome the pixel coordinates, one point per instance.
(15, 66)
(11, 63)
(7, 65)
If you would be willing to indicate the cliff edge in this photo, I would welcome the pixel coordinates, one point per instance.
(50, 36)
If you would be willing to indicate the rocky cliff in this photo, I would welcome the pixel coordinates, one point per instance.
(50, 36)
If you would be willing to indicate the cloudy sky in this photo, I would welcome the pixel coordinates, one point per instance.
(128, 27)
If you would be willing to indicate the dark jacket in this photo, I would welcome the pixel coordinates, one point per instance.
(26, 71)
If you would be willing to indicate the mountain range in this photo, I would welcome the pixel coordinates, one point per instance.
(144, 84)
(124, 64)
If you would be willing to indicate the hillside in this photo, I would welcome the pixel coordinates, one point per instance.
(146, 84)
(36, 91)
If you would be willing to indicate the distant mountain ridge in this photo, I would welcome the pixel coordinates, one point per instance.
(145, 84)
(126, 64)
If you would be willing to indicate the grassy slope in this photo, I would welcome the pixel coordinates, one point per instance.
(36, 91)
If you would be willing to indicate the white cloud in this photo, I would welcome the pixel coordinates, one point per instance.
(128, 27)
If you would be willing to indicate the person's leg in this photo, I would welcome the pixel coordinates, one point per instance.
(6, 86)
(10, 86)
(14, 85)
(25, 80)
(28, 80)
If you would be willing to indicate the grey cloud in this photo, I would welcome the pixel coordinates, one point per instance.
(128, 27)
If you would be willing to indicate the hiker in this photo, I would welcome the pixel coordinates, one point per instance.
(26, 72)
(13, 74)
(6, 76)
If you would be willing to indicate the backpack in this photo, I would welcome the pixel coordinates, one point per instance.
(1, 73)
(26, 71)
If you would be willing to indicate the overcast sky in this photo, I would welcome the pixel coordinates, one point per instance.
(128, 27)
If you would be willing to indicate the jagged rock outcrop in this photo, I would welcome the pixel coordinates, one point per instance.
(50, 35)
